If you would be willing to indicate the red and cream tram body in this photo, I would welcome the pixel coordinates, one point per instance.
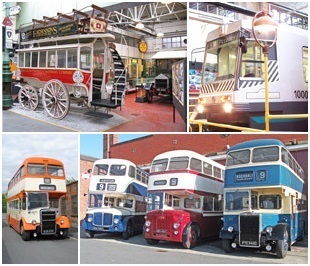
(70, 61)
(184, 198)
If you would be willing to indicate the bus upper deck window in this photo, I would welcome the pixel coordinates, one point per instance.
(179, 163)
(55, 170)
(266, 154)
(36, 169)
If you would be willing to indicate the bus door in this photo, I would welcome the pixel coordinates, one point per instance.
(294, 216)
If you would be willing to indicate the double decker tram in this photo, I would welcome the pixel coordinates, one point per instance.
(184, 198)
(72, 61)
(232, 84)
(116, 198)
(264, 204)
(35, 196)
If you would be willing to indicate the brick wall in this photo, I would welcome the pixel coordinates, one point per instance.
(85, 164)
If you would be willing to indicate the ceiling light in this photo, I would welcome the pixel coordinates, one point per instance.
(139, 26)
(160, 34)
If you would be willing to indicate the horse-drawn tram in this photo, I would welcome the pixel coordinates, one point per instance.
(71, 61)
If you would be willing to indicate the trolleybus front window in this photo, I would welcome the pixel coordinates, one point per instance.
(37, 200)
(220, 61)
(252, 61)
(237, 201)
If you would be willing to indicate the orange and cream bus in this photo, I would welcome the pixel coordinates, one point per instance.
(34, 198)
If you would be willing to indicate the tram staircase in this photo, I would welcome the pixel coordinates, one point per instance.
(117, 97)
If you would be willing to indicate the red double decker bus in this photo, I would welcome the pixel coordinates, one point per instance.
(185, 195)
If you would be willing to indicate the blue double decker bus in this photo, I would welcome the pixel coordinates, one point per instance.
(264, 205)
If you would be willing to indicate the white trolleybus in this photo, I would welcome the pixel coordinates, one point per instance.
(116, 198)
(35, 197)
(232, 84)
(184, 198)
(264, 204)
(70, 59)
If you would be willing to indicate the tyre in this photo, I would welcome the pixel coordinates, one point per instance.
(24, 234)
(282, 246)
(191, 237)
(89, 234)
(64, 235)
(226, 244)
(128, 232)
(152, 241)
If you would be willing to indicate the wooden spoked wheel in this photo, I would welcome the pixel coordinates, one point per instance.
(55, 99)
(28, 97)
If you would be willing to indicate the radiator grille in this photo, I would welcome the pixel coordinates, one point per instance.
(48, 222)
(103, 219)
(249, 230)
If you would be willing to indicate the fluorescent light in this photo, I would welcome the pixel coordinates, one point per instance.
(160, 34)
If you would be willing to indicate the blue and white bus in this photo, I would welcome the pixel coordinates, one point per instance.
(116, 198)
(264, 204)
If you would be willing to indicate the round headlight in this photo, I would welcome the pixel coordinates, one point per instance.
(230, 229)
(116, 220)
(34, 222)
(227, 107)
(147, 223)
(176, 225)
(269, 229)
(89, 218)
(200, 108)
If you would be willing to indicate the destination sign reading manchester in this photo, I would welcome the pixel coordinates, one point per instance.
(50, 31)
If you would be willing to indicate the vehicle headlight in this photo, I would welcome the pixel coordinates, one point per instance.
(200, 108)
(176, 225)
(34, 222)
(147, 223)
(269, 229)
(62, 221)
(227, 107)
(230, 229)
(116, 220)
(89, 218)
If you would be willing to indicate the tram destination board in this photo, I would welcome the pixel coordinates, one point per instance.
(62, 29)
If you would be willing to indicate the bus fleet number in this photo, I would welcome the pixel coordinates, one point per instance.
(301, 94)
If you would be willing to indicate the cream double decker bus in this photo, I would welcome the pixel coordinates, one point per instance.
(116, 198)
(34, 198)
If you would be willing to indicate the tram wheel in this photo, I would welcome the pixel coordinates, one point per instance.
(28, 97)
(282, 246)
(191, 237)
(24, 234)
(56, 99)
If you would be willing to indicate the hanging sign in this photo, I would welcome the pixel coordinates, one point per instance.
(9, 37)
(142, 47)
